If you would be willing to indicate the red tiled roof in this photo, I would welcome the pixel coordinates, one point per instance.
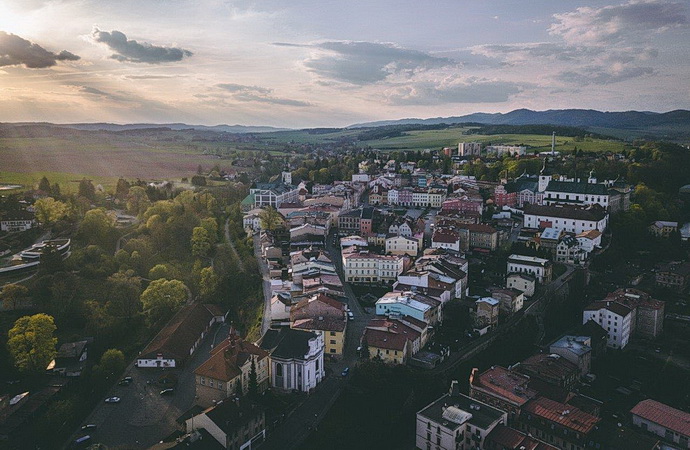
(384, 339)
(657, 412)
(320, 324)
(503, 383)
(227, 358)
(573, 419)
(446, 236)
(510, 438)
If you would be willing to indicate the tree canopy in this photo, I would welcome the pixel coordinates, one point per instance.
(31, 342)
(162, 298)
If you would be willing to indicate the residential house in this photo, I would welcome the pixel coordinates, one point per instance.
(484, 312)
(562, 425)
(615, 318)
(177, 341)
(511, 300)
(412, 304)
(573, 219)
(469, 149)
(477, 236)
(671, 424)
(521, 282)
(589, 240)
(506, 438)
(648, 313)
(325, 316)
(70, 358)
(550, 368)
(394, 340)
(674, 276)
(228, 371)
(402, 245)
(446, 238)
(663, 229)
(235, 425)
(361, 266)
(503, 389)
(456, 421)
(568, 251)
(19, 220)
(296, 359)
(576, 349)
(464, 204)
(281, 302)
(539, 268)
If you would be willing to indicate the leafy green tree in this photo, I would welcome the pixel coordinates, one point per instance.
(49, 210)
(162, 298)
(210, 224)
(199, 180)
(13, 295)
(164, 271)
(44, 185)
(111, 364)
(208, 282)
(87, 189)
(55, 190)
(137, 200)
(201, 241)
(122, 189)
(97, 228)
(253, 387)
(51, 261)
(124, 291)
(270, 219)
(31, 342)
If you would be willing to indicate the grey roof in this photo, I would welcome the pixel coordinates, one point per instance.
(522, 183)
(286, 343)
(574, 344)
(592, 213)
(482, 417)
(231, 416)
(577, 188)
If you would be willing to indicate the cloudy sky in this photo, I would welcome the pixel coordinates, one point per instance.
(309, 63)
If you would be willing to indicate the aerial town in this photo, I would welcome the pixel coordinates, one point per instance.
(344, 225)
(397, 266)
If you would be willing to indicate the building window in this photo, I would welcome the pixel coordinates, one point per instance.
(279, 369)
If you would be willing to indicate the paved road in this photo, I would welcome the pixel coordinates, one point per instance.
(266, 318)
(314, 407)
(144, 417)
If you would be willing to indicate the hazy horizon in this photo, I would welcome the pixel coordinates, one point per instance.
(315, 64)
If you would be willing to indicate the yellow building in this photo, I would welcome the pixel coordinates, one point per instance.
(389, 347)
(333, 331)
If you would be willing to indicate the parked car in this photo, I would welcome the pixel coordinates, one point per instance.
(89, 426)
(350, 315)
(345, 372)
(112, 400)
(126, 381)
(168, 391)
(82, 441)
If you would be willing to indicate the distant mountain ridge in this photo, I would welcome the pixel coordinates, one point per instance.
(142, 126)
(583, 118)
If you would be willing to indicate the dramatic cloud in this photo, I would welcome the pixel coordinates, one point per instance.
(454, 90)
(133, 51)
(16, 51)
(243, 93)
(599, 26)
(364, 63)
(604, 75)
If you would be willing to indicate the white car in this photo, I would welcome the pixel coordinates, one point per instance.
(350, 315)
(112, 400)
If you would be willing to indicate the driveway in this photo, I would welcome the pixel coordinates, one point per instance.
(144, 417)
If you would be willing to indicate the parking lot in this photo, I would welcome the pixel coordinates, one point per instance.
(143, 416)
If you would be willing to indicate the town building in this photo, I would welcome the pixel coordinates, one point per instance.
(562, 425)
(412, 304)
(362, 266)
(70, 358)
(275, 193)
(402, 245)
(456, 422)
(503, 389)
(325, 316)
(446, 238)
(484, 312)
(14, 221)
(511, 300)
(177, 341)
(228, 371)
(394, 340)
(541, 269)
(671, 424)
(550, 368)
(521, 282)
(573, 219)
(235, 425)
(615, 318)
(675, 276)
(510, 150)
(296, 359)
(469, 149)
(506, 438)
(576, 349)
(663, 229)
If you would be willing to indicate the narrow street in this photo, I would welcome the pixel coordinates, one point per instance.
(305, 418)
